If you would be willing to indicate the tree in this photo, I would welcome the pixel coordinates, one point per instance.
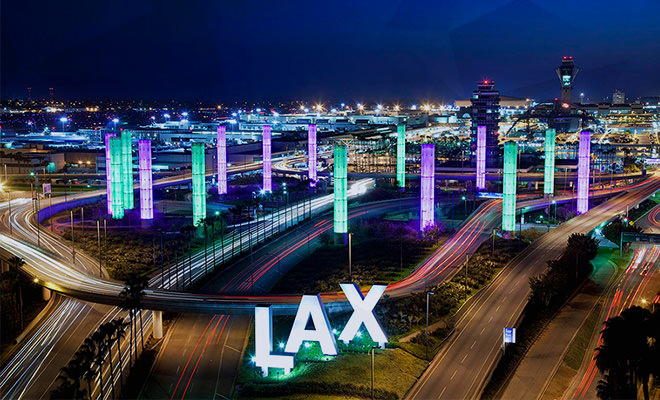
(86, 355)
(99, 340)
(107, 331)
(119, 332)
(132, 295)
(626, 355)
(69, 378)
(15, 264)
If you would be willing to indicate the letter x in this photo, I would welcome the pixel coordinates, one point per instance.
(363, 313)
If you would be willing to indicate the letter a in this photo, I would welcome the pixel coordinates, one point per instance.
(263, 343)
(363, 313)
(311, 306)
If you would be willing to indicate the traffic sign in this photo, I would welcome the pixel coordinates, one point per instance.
(509, 335)
(46, 188)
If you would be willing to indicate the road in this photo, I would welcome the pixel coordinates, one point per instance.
(627, 291)
(202, 354)
(460, 369)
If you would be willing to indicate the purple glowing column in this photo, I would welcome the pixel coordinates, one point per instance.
(146, 191)
(311, 154)
(426, 214)
(267, 162)
(583, 172)
(108, 171)
(481, 157)
(221, 143)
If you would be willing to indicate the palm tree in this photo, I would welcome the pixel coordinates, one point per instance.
(625, 356)
(132, 294)
(119, 331)
(107, 330)
(99, 339)
(16, 263)
(86, 355)
(69, 378)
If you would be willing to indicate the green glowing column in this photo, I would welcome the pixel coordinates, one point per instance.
(341, 206)
(198, 183)
(116, 175)
(127, 170)
(401, 155)
(509, 187)
(549, 171)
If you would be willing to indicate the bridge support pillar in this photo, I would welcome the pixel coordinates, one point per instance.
(158, 324)
(45, 293)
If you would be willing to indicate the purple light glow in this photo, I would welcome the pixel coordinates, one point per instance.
(108, 172)
(267, 161)
(146, 191)
(481, 157)
(311, 154)
(583, 172)
(426, 215)
(222, 160)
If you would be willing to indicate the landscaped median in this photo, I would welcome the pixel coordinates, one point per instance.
(399, 365)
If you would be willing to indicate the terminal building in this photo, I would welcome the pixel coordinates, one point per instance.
(485, 112)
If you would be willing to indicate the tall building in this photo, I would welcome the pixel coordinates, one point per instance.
(618, 97)
(485, 112)
(566, 73)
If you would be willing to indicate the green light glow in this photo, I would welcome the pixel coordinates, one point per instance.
(509, 187)
(116, 171)
(341, 206)
(549, 171)
(127, 170)
(198, 183)
(401, 155)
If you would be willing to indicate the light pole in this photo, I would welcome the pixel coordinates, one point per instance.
(465, 204)
(63, 120)
(428, 294)
(350, 257)
(115, 121)
(373, 352)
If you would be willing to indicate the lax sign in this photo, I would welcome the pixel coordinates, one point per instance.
(312, 307)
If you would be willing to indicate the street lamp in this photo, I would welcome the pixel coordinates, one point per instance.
(464, 204)
(63, 120)
(428, 294)
(115, 121)
(350, 257)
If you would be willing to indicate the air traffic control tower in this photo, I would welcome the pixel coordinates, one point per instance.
(566, 73)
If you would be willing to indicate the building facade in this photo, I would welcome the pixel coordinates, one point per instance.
(485, 112)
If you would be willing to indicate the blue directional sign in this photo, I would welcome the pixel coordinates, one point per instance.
(509, 335)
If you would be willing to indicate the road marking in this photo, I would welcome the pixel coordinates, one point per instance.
(453, 375)
(482, 331)
(475, 342)
(464, 357)
(443, 391)
(232, 348)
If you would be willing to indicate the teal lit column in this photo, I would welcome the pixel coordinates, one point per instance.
(127, 170)
(401, 155)
(198, 183)
(509, 187)
(116, 178)
(341, 206)
(549, 170)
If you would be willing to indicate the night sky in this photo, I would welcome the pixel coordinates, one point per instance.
(365, 50)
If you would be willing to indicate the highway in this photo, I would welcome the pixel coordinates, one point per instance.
(626, 292)
(460, 369)
(59, 257)
(202, 353)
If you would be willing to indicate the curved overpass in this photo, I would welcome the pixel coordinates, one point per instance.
(57, 274)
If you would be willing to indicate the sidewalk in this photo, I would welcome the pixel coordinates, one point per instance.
(538, 366)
